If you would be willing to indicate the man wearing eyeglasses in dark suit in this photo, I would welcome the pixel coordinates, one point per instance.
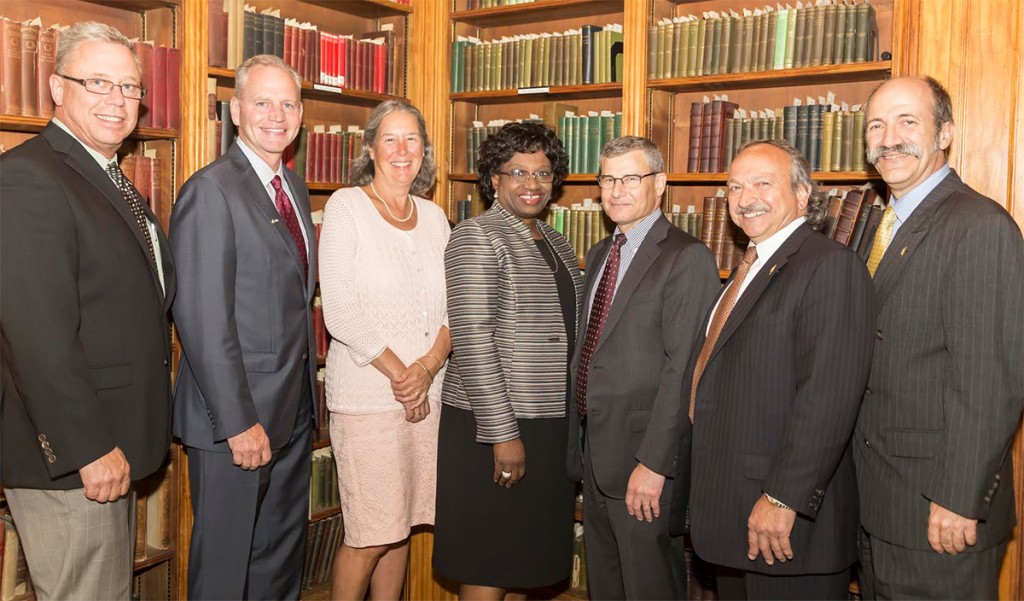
(648, 288)
(86, 281)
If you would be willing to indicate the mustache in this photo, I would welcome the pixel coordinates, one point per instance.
(754, 208)
(906, 148)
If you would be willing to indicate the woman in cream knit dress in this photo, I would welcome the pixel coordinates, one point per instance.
(382, 283)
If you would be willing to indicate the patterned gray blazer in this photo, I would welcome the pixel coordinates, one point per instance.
(509, 343)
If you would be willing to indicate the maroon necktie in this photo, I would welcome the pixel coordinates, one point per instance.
(284, 207)
(598, 315)
(725, 307)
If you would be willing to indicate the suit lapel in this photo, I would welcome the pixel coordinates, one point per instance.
(305, 216)
(909, 237)
(261, 200)
(645, 256)
(76, 157)
(759, 284)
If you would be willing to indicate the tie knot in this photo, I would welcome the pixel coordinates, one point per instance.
(750, 256)
(889, 215)
(618, 240)
(276, 183)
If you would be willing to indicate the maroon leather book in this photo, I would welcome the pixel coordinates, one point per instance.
(696, 127)
(173, 89)
(217, 45)
(302, 49)
(159, 90)
(334, 158)
(47, 56)
(10, 80)
(289, 33)
(144, 50)
(721, 111)
(721, 224)
(707, 222)
(29, 69)
(848, 217)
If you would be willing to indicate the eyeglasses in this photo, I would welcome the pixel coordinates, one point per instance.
(105, 87)
(629, 182)
(520, 176)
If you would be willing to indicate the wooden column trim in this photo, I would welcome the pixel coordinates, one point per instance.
(634, 68)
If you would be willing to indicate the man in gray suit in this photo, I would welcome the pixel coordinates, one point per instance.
(242, 233)
(647, 291)
(932, 442)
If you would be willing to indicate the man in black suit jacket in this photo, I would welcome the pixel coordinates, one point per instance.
(932, 444)
(628, 386)
(775, 389)
(246, 249)
(86, 281)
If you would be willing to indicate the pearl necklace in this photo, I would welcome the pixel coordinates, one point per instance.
(412, 208)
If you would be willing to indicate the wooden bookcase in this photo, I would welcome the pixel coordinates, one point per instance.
(157, 21)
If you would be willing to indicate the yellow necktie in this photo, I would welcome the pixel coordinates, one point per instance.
(882, 239)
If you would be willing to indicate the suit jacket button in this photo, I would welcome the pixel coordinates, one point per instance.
(988, 499)
(51, 459)
(46, 446)
(42, 438)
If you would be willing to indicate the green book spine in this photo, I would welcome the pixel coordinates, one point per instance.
(837, 142)
(858, 141)
(487, 68)
(781, 21)
(593, 142)
(615, 50)
(799, 52)
(723, 46)
(730, 143)
(677, 52)
(657, 48)
(791, 19)
(746, 64)
(839, 46)
(617, 133)
(847, 147)
(700, 46)
(584, 146)
(607, 135)
(828, 126)
(829, 41)
(769, 56)
(850, 41)
(817, 35)
(862, 32)
(691, 48)
(709, 47)
(455, 67)
(715, 64)
(578, 128)
(575, 64)
(756, 60)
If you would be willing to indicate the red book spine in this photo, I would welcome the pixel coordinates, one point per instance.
(696, 126)
(325, 38)
(10, 81)
(342, 62)
(335, 158)
(159, 90)
(47, 56)
(380, 68)
(173, 91)
(301, 50)
(29, 70)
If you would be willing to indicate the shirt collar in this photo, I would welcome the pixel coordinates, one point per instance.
(768, 247)
(636, 235)
(263, 170)
(99, 158)
(904, 206)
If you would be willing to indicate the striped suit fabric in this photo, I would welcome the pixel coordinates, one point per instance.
(509, 344)
(944, 397)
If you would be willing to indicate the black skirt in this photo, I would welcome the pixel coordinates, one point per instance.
(489, 535)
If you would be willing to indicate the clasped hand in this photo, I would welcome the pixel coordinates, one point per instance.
(410, 389)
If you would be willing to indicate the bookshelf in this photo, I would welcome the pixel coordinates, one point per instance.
(155, 560)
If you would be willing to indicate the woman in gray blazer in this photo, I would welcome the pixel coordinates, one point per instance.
(504, 504)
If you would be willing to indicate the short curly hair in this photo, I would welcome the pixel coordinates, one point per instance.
(525, 138)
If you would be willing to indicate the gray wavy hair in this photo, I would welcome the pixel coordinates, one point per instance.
(362, 170)
(799, 178)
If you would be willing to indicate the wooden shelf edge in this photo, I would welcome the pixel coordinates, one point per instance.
(323, 514)
(364, 8)
(847, 72)
(538, 11)
(818, 176)
(137, 5)
(153, 557)
(311, 90)
(34, 125)
(592, 90)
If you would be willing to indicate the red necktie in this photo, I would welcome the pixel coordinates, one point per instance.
(284, 207)
(598, 315)
(725, 307)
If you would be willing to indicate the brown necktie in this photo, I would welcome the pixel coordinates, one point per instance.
(284, 207)
(718, 321)
(134, 202)
(598, 315)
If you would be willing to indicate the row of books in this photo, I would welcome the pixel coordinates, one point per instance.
(325, 154)
(830, 135)
(726, 241)
(322, 415)
(365, 61)
(323, 481)
(583, 224)
(161, 76)
(153, 506)
(827, 32)
(322, 540)
(145, 171)
(30, 51)
(853, 218)
(592, 54)
(320, 328)
(15, 582)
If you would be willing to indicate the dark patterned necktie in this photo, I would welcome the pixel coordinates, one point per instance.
(284, 207)
(134, 202)
(725, 307)
(595, 323)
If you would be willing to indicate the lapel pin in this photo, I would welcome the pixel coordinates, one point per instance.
(904, 251)
(772, 270)
(272, 221)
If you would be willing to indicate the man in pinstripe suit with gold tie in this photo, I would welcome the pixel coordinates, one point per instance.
(932, 443)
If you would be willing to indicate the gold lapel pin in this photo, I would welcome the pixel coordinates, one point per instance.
(904, 251)
(772, 270)
(274, 221)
